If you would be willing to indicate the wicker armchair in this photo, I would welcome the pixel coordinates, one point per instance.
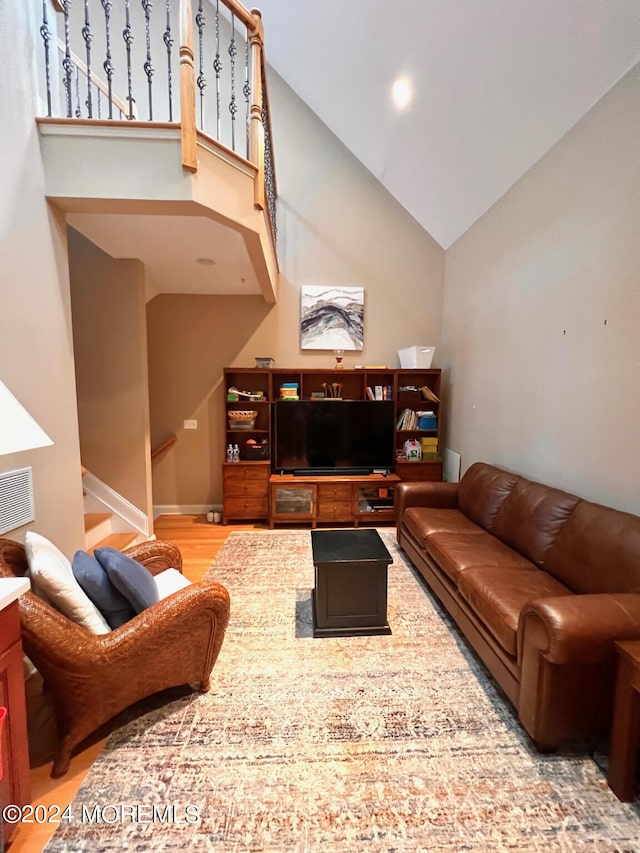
(94, 677)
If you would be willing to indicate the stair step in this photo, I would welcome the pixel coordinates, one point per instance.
(119, 541)
(93, 519)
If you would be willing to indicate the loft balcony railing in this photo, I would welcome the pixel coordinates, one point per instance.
(196, 63)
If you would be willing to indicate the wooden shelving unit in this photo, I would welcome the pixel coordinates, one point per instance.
(251, 491)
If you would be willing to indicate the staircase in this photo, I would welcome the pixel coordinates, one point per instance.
(109, 520)
(98, 533)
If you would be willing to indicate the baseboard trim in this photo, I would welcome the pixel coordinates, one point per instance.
(185, 509)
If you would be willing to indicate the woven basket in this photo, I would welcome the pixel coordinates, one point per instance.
(241, 416)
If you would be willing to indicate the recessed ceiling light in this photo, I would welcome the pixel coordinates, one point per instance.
(402, 92)
(205, 262)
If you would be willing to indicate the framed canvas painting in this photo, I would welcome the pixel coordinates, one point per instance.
(331, 317)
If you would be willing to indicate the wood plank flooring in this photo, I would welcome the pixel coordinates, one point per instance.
(199, 542)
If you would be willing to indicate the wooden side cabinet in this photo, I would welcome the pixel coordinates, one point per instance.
(15, 787)
(245, 490)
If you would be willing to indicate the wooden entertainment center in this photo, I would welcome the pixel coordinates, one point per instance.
(252, 491)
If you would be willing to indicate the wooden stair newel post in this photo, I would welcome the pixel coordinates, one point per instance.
(256, 129)
(187, 90)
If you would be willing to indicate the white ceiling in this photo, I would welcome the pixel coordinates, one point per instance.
(177, 251)
(497, 84)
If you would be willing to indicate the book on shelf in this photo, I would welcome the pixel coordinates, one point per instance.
(428, 394)
(378, 392)
(370, 394)
(407, 420)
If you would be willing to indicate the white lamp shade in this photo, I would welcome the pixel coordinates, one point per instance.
(18, 430)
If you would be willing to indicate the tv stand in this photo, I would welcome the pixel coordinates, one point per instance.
(250, 487)
(320, 498)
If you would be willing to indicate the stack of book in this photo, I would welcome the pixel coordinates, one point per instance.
(379, 392)
(407, 420)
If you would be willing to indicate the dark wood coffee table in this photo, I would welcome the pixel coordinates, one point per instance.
(350, 593)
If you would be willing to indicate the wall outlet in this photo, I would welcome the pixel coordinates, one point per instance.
(191, 424)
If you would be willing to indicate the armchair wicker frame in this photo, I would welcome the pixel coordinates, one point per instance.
(92, 678)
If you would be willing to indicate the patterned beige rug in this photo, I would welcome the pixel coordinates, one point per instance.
(392, 743)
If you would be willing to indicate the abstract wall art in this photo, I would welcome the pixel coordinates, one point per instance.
(332, 317)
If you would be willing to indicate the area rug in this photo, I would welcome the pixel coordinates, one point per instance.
(382, 743)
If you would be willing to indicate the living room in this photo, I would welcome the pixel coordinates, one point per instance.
(533, 310)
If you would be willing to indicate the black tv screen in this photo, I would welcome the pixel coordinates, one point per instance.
(322, 436)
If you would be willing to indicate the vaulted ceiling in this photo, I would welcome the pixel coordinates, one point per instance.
(496, 84)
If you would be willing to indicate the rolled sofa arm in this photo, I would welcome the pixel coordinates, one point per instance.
(429, 494)
(156, 555)
(579, 629)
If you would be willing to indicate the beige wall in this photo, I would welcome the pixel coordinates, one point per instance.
(110, 343)
(36, 348)
(542, 315)
(336, 226)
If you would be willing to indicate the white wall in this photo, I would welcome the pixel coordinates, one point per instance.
(542, 315)
(337, 225)
(36, 347)
(112, 377)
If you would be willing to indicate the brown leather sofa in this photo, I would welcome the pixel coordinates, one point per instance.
(540, 582)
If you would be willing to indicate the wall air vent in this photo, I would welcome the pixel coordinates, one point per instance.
(16, 499)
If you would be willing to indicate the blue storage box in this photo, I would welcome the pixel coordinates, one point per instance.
(427, 423)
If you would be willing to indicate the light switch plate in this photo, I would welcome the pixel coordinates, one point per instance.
(191, 424)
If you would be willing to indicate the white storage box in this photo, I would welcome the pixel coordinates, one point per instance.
(416, 357)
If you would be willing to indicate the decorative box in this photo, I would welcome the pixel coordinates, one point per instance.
(412, 450)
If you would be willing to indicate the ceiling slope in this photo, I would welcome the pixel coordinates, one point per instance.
(496, 84)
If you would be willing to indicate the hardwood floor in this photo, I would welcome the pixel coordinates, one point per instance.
(199, 543)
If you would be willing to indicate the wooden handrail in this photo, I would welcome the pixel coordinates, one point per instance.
(164, 446)
(247, 18)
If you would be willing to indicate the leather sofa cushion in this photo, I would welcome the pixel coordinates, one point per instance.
(456, 552)
(597, 551)
(482, 491)
(421, 522)
(530, 519)
(498, 594)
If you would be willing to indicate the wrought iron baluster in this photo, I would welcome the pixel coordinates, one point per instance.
(148, 66)
(269, 182)
(87, 36)
(200, 80)
(217, 67)
(46, 38)
(78, 110)
(99, 103)
(67, 64)
(127, 36)
(246, 89)
(168, 40)
(233, 107)
(107, 64)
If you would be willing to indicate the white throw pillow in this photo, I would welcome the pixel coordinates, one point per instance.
(170, 581)
(53, 580)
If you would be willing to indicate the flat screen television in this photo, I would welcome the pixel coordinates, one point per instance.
(332, 436)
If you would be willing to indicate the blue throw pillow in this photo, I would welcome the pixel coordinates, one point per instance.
(96, 585)
(128, 577)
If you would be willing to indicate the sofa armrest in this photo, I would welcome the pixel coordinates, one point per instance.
(579, 629)
(418, 493)
(156, 555)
